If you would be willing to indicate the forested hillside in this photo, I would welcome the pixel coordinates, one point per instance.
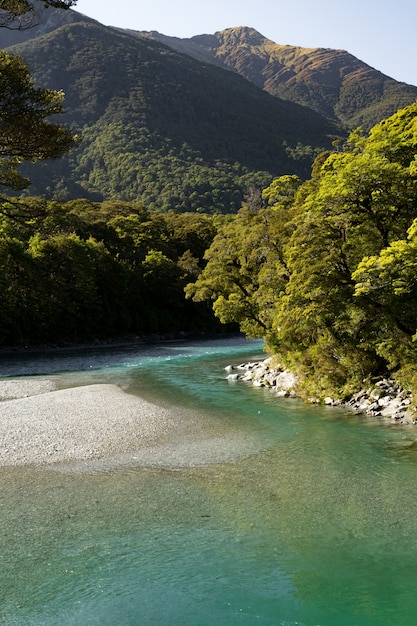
(326, 271)
(332, 82)
(162, 128)
(322, 263)
(179, 131)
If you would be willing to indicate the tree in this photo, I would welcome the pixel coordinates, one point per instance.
(362, 203)
(332, 327)
(20, 14)
(387, 284)
(326, 273)
(246, 270)
(24, 132)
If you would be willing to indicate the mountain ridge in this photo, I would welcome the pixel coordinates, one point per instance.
(162, 128)
(331, 81)
(169, 130)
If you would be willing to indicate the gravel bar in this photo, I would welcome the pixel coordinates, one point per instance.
(42, 425)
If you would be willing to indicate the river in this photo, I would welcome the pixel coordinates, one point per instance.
(313, 522)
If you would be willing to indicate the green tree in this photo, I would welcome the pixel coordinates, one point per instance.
(16, 288)
(387, 285)
(363, 201)
(68, 302)
(246, 268)
(24, 132)
(325, 272)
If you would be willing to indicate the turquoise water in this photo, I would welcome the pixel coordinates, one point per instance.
(315, 524)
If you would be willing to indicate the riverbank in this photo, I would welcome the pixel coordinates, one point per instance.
(98, 426)
(40, 424)
(385, 400)
(124, 341)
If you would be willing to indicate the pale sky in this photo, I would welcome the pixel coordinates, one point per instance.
(381, 33)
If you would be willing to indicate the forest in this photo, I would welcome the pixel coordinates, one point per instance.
(331, 82)
(162, 128)
(81, 271)
(324, 269)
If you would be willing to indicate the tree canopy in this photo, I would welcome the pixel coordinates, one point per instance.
(24, 132)
(79, 271)
(176, 133)
(25, 135)
(339, 252)
(324, 270)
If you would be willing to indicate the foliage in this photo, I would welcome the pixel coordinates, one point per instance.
(24, 132)
(83, 270)
(339, 304)
(246, 269)
(388, 282)
(21, 14)
(324, 269)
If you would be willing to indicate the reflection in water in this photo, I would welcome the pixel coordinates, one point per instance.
(315, 524)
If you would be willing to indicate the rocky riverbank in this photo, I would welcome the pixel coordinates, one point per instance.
(385, 399)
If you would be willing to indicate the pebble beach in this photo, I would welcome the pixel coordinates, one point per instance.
(98, 426)
(40, 424)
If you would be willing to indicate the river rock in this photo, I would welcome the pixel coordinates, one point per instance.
(263, 374)
(385, 399)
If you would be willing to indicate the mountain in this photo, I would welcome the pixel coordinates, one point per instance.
(160, 127)
(332, 82)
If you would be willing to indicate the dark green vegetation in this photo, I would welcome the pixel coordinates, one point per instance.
(327, 270)
(324, 269)
(78, 271)
(172, 131)
(332, 82)
(161, 128)
(25, 132)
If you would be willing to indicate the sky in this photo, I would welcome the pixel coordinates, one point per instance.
(382, 33)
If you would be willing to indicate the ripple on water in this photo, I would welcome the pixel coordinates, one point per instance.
(314, 525)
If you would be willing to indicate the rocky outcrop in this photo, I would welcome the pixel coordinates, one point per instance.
(386, 399)
(264, 374)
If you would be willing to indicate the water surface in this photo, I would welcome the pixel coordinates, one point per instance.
(314, 525)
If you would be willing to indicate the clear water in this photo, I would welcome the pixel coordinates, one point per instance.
(315, 525)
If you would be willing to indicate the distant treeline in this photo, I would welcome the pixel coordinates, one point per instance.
(77, 271)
